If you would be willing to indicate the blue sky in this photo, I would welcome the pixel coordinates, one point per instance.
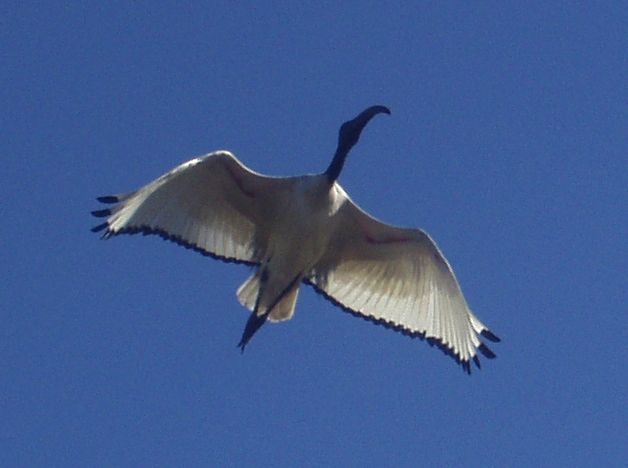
(507, 143)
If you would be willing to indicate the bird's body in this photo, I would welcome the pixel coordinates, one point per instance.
(302, 223)
(305, 229)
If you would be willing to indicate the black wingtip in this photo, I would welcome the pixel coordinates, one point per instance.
(100, 227)
(109, 199)
(486, 333)
(464, 364)
(101, 213)
(486, 351)
(476, 360)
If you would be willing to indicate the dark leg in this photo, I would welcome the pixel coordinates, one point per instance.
(255, 322)
(252, 325)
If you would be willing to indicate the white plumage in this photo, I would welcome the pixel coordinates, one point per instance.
(305, 229)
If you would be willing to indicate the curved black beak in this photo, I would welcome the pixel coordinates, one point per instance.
(371, 112)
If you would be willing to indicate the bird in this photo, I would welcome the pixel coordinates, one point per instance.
(305, 230)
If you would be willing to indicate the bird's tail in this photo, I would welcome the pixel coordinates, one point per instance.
(283, 310)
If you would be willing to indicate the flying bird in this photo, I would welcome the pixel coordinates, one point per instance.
(305, 230)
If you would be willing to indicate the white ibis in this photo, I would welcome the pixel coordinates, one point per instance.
(305, 229)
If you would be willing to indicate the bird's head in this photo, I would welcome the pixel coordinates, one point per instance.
(351, 130)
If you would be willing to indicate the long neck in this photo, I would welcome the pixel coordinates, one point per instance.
(333, 171)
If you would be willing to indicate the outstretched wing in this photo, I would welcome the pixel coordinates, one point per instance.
(212, 204)
(398, 278)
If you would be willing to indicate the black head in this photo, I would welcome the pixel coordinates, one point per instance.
(349, 135)
(351, 130)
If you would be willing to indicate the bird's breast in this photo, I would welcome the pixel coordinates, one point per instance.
(302, 227)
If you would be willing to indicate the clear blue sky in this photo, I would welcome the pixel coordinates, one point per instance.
(507, 143)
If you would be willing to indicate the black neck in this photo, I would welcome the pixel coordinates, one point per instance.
(333, 171)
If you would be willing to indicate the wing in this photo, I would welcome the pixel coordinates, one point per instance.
(212, 204)
(398, 278)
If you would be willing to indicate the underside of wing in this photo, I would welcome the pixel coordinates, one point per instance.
(212, 204)
(398, 278)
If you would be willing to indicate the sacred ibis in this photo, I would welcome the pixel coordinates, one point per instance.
(305, 229)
